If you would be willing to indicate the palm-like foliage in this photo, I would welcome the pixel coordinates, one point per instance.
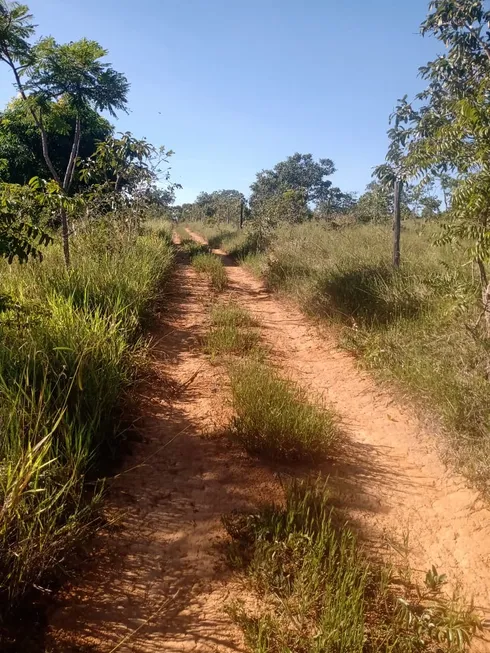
(76, 71)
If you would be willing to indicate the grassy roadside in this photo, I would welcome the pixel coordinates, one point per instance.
(314, 587)
(71, 344)
(414, 326)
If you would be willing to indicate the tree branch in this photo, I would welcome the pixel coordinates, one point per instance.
(483, 273)
(70, 169)
(37, 119)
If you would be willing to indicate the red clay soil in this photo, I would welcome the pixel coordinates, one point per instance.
(158, 581)
(390, 475)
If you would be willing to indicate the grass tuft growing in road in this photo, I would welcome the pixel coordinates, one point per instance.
(191, 248)
(232, 331)
(212, 267)
(319, 595)
(274, 417)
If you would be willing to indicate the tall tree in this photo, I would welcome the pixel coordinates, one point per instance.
(448, 131)
(49, 71)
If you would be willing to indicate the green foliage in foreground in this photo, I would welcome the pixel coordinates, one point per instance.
(68, 352)
(212, 267)
(275, 418)
(320, 595)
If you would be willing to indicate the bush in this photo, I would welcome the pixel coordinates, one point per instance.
(274, 417)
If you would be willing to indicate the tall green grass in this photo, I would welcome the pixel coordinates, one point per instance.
(70, 342)
(318, 593)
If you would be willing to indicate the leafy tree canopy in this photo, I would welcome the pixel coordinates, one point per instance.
(76, 71)
(445, 130)
(297, 172)
(20, 144)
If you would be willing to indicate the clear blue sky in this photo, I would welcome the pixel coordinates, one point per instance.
(234, 86)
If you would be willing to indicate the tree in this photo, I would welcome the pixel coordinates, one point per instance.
(20, 145)
(423, 201)
(218, 206)
(338, 203)
(49, 71)
(431, 207)
(448, 185)
(375, 204)
(290, 206)
(298, 172)
(447, 132)
(124, 175)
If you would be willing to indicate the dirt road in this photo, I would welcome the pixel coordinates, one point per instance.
(157, 581)
(158, 578)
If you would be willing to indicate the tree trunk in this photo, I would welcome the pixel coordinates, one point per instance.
(37, 119)
(65, 236)
(486, 306)
(242, 210)
(70, 169)
(397, 223)
(67, 182)
(485, 294)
